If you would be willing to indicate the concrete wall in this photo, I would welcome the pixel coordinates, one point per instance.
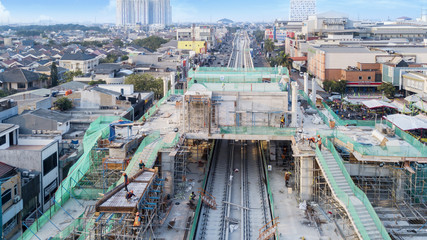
(28, 122)
(8, 139)
(8, 113)
(26, 159)
(249, 108)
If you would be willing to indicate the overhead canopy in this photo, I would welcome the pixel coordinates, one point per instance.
(405, 122)
(421, 105)
(372, 104)
(413, 98)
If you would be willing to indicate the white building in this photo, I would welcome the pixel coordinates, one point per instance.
(34, 154)
(299, 10)
(79, 62)
(328, 22)
(144, 12)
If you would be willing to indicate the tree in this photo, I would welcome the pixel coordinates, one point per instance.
(340, 86)
(388, 89)
(118, 43)
(328, 85)
(63, 104)
(259, 35)
(54, 75)
(96, 82)
(151, 43)
(69, 76)
(268, 45)
(111, 58)
(146, 82)
(125, 57)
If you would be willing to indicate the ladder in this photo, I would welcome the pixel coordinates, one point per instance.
(207, 199)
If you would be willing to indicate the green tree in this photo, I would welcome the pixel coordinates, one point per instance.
(388, 89)
(63, 104)
(340, 86)
(146, 83)
(259, 35)
(96, 82)
(151, 43)
(118, 43)
(328, 85)
(268, 45)
(69, 76)
(54, 75)
(111, 58)
(125, 57)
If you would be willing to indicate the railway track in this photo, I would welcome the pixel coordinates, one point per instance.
(236, 180)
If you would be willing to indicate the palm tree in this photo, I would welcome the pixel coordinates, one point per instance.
(269, 46)
(285, 61)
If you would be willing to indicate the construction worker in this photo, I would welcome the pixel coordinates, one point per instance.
(126, 181)
(192, 196)
(129, 195)
(136, 223)
(143, 119)
(287, 177)
(282, 121)
(141, 165)
(311, 140)
(319, 143)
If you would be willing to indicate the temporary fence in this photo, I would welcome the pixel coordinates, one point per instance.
(341, 122)
(322, 116)
(371, 150)
(344, 198)
(270, 193)
(409, 138)
(199, 203)
(258, 130)
(97, 129)
(237, 75)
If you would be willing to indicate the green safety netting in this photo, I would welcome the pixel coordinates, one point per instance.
(341, 122)
(370, 150)
(322, 116)
(258, 130)
(409, 138)
(199, 203)
(344, 197)
(97, 129)
(270, 193)
(237, 75)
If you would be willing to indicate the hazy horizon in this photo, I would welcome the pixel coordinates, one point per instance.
(103, 11)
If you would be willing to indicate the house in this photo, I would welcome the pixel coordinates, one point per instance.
(79, 62)
(11, 202)
(32, 100)
(20, 79)
(41, 120)
(39, 155)
(8, 108)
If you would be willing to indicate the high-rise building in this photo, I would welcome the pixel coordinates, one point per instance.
(145, 12)
(299, 10)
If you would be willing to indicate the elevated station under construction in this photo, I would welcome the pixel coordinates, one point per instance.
(263, 159)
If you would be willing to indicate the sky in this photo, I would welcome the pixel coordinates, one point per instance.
(103, 11)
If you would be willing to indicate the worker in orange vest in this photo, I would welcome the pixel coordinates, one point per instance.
(319, 143)
(136, 223)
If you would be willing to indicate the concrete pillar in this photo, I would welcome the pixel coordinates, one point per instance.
(399, 191)
(173, 82)
(165, 86)
(294, 104)
(306, 178)
(313, 91)
(306, 83)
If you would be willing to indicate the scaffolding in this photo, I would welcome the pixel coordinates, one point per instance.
(180, 171)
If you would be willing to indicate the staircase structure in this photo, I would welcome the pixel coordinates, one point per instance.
(353, 200)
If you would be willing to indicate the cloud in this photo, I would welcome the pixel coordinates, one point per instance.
(4, 14)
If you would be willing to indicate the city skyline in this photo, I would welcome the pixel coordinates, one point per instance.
(104, 11)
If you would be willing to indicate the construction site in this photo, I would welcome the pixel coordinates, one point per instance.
(240, 140)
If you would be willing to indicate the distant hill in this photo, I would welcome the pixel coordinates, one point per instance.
(224, 21)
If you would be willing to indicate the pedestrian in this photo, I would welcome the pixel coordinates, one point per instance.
(287, 177)
(126, 181)
(141, 165)
(282, 121)
(129, 195)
